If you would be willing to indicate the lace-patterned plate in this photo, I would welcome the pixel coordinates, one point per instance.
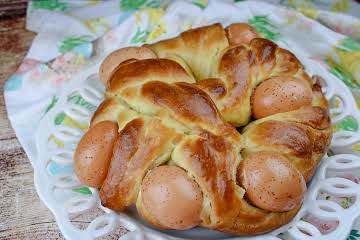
(78, 209)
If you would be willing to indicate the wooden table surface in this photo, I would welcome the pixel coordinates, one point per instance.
(22, 214)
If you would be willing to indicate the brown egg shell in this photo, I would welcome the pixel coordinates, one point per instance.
(117, 57)
(170, 199)
(280, 94)
(93, 153)
(271, 182)
(240, 33)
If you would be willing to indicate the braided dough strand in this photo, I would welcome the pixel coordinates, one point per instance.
(177, 102)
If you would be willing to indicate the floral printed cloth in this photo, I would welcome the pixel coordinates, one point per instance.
(72, 34)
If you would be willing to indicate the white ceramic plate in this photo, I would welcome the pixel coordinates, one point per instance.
(61, 129)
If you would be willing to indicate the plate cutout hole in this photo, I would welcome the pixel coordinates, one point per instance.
(102, 224)
(343, 160)
(324, 226)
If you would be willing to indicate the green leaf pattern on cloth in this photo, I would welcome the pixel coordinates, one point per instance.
(83, 190)
(263, 25)
(54, 100)
(76, 98)
(72, 42)
(340, 73)
(132, 5)
(345, 62)
(201, 3)
(140, 36)
(50, 5)
(62, 118)
(128, 5)
(153, 4)
(354, 235)
(349, 44)
(59, 118)
(347, 124)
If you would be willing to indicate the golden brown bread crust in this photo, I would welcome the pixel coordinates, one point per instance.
(140, 72)
(199, 48)
(238, 68)
(252, 220)
(303, 145)
(243, 67)
(178, 110)
(212, 161)
(141, 145)
(186, 100)
(189, 105)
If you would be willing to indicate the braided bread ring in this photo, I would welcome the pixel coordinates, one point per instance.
(180, 109)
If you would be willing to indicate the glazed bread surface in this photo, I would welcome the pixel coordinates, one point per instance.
(189, 102)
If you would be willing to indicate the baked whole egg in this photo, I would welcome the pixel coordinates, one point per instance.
(217, 127)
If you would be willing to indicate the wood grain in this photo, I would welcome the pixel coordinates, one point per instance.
(12, 7)
(22, 214)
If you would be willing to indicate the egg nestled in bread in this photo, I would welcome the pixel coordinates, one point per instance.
(170, 199)
(280, 94)
(166, 136)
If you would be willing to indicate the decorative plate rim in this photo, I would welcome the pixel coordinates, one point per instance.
(44, 187)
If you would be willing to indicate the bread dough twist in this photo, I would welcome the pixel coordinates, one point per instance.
(178, 102)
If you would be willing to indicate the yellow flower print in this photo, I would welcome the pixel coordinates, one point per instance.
(159, 30)
(92, 2)
(357, 31)
(158, 27)
(81, 60)
(351, 62)
(346, 64)
(138, 17)
(97, 25)
(155, 14)
(58, 143)
(292, 3)
(309, 12)
(63, 119)
(73, 123)
(291, 17)
(335, 128)
(306, 8)
(341, 6)
(356, 147)
(337, 102)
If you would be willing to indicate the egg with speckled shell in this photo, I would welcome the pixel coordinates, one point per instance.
(93, 153)
(271, 181)
(170, 199)
(280, 94)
